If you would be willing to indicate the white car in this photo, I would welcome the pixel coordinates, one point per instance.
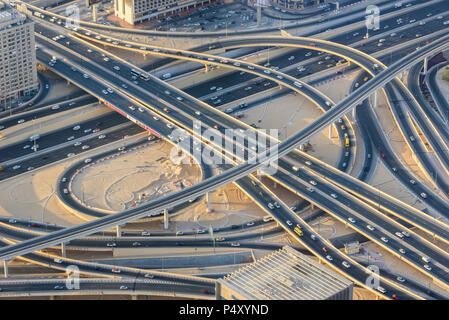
(16, 167)
(401, 250)
(370, 227)
(88, 160)
(76, 128)
(288, 222)
(352, 220)
(380, 289)
(328, 257)
(399, 234)
(427, 267)
(85, 147)
(333, 195)
(423, 195)
(76, 144)
(101, 136)
(313, 182)
(384, 239)
(346, 264)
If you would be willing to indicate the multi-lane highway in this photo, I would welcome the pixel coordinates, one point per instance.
(162, 109)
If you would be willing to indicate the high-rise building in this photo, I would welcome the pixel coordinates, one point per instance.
(136, 11)
(18, 74)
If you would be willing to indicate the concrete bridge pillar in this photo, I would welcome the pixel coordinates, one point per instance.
(208, 202)
(5, 268)
(63, 251)
(259, 15)
(425, 65)
(376, 98)
(119, 231)
(165, 219)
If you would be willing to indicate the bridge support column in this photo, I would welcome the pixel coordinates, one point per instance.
(95, 11)
(63, 253)
(5, 268)
(259, 15)
(165, 219)
(425, 66)
(312, 206)
(206, 68)
(119, 231)
(376, 98)
(208, 202)
(330, 131)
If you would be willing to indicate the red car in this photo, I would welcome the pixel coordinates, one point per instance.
(383, 155)
(216, 127)
(325, 249)
(363, 44)
(36, 225)
(394, 296)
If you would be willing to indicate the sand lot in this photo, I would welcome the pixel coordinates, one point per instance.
(146, 174)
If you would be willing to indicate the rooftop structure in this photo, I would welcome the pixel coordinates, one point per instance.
(284, 275)
(137, 11)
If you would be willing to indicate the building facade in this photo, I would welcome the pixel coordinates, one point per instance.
(137, 11)
(18, 73)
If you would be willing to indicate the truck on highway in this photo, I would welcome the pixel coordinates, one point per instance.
(298, 231)
(34, 137)
(298, 84)
(346, 142)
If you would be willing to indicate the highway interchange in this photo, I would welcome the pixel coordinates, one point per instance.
(345, 198)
